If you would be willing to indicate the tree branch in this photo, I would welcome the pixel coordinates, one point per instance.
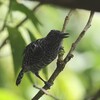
(92, 5)
(45, 92)
(61, 51)
(61, 64)
(69, 55)
(67, 20)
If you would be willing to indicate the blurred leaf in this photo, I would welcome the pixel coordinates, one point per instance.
(27, 12)
(45, 72)
(17, 45)
(30, 78)
(1, 3)
(9, 95)
(33, 38)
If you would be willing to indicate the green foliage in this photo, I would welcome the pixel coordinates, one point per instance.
(17, 44)
(9, 95)
(31, 35)
(22, 8)
(82, 77)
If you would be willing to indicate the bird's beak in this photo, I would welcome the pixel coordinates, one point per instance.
(65, 35)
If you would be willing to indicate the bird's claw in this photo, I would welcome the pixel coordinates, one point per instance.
(48, 84)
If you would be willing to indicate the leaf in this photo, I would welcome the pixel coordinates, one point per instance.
(17, 46)
(22, 8)
(33, 38)
(45, 72)
(6, 94)
(30, 78)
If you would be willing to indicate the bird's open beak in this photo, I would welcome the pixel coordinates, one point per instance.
(65, 35)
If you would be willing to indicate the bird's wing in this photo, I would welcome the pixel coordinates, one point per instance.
(33, 53)
(31, 47)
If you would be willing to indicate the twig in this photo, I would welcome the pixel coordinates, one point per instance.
(61, 65)
(69, 55)
(67, 20)
(34, 9)
(45, 92)
(61, 51)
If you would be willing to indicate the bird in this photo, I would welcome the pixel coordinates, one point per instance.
(41, 52)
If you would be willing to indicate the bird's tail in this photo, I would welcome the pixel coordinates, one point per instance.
(20, 76)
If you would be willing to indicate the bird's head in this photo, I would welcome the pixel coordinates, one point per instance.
(57, 36)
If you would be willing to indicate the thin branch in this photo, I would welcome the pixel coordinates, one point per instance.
(45, 92)
(34, 9)
(61, 65)
(61, 51)
(67, 20)
(69, 55)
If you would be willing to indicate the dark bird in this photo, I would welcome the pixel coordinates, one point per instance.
(40, 53)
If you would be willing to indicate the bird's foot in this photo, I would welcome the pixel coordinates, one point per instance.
(48, 84)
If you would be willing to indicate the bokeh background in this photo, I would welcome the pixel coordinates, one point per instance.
(19, 25)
